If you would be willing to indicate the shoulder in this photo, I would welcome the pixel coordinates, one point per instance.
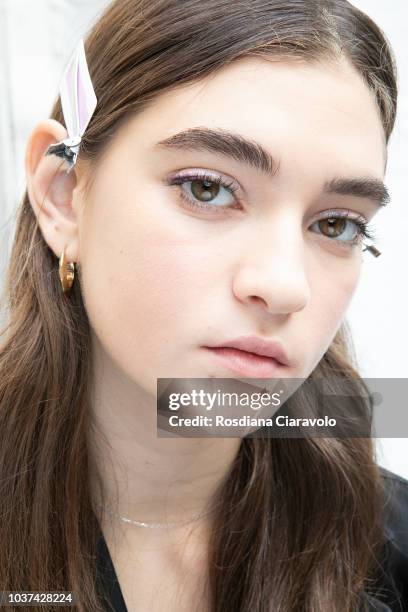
(392, 579)
(396, 508)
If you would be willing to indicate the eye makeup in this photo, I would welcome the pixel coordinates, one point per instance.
(208, 179)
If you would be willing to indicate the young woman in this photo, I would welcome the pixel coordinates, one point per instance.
(224, 187)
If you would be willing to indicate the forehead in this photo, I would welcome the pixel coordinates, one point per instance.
(322, 111)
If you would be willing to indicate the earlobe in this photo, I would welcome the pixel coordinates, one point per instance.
(50, 189)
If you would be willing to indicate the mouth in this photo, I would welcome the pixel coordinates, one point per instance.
(245, 363)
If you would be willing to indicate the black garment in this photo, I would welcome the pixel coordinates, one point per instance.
(392, 579)
(109, 584)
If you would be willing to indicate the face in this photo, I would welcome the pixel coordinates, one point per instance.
(184, 248)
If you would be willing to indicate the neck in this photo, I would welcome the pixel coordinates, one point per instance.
(146, 478)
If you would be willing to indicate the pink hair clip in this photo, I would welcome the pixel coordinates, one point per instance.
(78, 101)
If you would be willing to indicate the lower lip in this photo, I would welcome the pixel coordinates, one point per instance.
(245, 363)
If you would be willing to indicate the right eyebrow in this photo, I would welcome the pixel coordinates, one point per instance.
(252, 153)
(227, 143)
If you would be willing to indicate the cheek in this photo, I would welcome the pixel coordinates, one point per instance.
(141, 287)
(330, 302)
(331, 292)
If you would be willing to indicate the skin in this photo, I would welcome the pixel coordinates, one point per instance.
(160, 280)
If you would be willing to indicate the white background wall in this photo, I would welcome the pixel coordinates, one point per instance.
(37, 38)
(379, 311)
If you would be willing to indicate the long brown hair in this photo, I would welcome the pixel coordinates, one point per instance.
(299, 523)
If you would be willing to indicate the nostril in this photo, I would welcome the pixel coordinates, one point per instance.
(256, 298)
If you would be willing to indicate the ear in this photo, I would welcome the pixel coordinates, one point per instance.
(51, 190)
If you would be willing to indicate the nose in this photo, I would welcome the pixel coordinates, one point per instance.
(271, 272)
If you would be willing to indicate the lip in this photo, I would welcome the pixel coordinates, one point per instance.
(251, 355)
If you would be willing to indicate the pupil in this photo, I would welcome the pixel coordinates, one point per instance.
(204, 190)
(329, 226)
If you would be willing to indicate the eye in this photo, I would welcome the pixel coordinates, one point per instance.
(203, 190)
(214, 193)
(341, 227)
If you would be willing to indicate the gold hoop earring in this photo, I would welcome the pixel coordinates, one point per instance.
(66, 272)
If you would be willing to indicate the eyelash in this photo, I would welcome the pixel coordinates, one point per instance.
(363, 227)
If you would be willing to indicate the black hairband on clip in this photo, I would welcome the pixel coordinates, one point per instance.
(67, 149)
(78, 101)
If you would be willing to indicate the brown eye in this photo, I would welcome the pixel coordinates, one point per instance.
(342, 228)
(201, 192)
(204, 190)
(332, 227)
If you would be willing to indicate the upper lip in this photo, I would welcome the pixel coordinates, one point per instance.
(257, 345)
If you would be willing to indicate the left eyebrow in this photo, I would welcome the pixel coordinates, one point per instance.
(252, 153)
(360, 187)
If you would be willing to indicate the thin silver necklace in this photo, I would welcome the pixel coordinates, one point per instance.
(153, 525)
